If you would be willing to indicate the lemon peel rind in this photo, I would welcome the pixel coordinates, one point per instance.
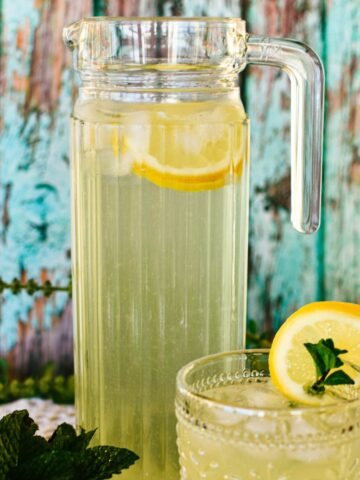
(191, 179)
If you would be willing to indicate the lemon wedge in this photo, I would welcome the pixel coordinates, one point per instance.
(291, 366)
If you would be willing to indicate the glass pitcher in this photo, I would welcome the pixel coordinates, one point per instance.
(160, 174)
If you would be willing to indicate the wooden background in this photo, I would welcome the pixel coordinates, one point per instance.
(286, 269)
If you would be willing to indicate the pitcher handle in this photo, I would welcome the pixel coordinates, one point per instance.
(306, 74)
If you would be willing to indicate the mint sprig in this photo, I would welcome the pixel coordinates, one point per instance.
(326, 358)
(65, 456)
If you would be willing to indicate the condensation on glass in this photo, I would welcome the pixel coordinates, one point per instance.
(160, 174)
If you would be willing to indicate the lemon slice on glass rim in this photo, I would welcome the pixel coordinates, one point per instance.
(291, 365)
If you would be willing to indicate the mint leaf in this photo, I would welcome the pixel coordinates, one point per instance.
(17, 440)
(54, 465)
(95, 463)
(317, 355)
(65, 438)
(329, 342)
(65, 456)
(339, 377)
(326, 357)
(101, 462)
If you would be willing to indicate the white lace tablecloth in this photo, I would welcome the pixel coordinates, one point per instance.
(47, 414)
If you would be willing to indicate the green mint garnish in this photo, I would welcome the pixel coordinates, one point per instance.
(65, 456)
(326, 358)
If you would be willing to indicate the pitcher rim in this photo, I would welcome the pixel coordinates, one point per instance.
(158, 19)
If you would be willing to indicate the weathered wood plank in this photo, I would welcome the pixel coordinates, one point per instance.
(342, 172)
(34, 179)
(202, 8)
(188, 8)
(124, 8)
(283, 265)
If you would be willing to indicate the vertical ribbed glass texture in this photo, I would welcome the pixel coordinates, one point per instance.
(159, 261)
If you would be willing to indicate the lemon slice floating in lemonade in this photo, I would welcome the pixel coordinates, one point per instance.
(291, 366)
(184, 147)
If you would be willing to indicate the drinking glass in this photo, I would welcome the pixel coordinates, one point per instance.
(234, 425)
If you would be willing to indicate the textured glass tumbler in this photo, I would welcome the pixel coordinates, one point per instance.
(234, 425)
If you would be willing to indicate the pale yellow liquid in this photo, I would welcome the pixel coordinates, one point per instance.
(261, 448)
(159, 272)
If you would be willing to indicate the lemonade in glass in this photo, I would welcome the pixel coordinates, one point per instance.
(233, 424)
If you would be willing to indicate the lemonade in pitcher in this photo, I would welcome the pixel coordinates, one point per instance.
(162, 191)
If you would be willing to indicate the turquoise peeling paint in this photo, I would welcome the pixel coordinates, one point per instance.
(285, 264)
(342, 174)
(34, 164)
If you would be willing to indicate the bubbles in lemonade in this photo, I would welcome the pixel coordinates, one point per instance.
(160, 251)
(271, 446)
